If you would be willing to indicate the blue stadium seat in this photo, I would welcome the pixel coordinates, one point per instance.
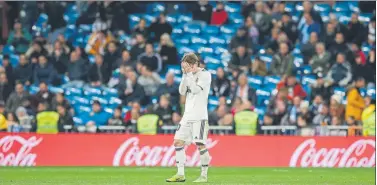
(308, 91)
(90, 91)
(184, 49)
(184, 18)
(232, 8)
(289, 7)
(308, 79)
(72, 91)
(149, 18)
(125, 109)
(322, 7)
(33, 89)
(365, 17)
(255, 81)
(206, 51)
(211, 30)
(176, 69)
(182, 40)
(228, 29)
(341, 6)
(8, 49)
(82, 110)
(325, 16)
(228, 37)
(172, 19)
(109, 111)
(260, 110)
(263, 97)
(298, 60)
(194, 27)
(110, 92)
(212, 59)
(78, 121)
(340, 91)
(268, 80)
(179, 7)
(103, 101)
(14, 59)
(220, 49)
(212, 67)
(354, 6)
(363, 92)
(155, 7)
(216, 40)
(197, 39)
(56, 89)
(372, 93)
(304, 70)
(299, 7)
(236, 18)
(134, 19)
(213, 100)
(78, 100)
(42, 19)
(71, 17)
(70, 31)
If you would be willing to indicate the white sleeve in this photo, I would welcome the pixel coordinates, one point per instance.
(182, 85)
(203, 81)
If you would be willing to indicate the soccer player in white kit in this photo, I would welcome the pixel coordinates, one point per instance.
(193, 128)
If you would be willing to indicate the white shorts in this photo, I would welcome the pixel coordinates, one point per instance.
(192, 131)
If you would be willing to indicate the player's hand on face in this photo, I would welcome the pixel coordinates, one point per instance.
(185, 67)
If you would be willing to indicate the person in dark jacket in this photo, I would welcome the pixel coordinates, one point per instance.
(244, 91)
(328, 36)
(308, 49)
(117, 119)
(98, 73)
(219, 15)
(163, 109)
(35, 51)
(340, 74)
(340, 47)
(168, 51)
(124, 60)
(356, 31)
(241, 58)
(359, 69)
(60, 100)
(65, 118)
(240, 39)
(17, 98)
(23, 72)
(111, 56)
(220, 85)
(371, 67)
(133, 91)
(202, 11)
(77, 68)
(43, 71)
(141, 28)
(159, 27)
(170, 87)
(8, 69)
(289, 27)
(339, 27)
(262, 20)
(59, 58)
(5, 87)
(43, 95)
(138, 48)
(150, 59)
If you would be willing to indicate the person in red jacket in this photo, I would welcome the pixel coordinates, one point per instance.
(219, 15)
(294, 88)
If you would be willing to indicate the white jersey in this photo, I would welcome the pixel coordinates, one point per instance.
(196, 88)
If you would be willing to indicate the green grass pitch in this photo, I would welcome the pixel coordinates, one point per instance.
(156, 176)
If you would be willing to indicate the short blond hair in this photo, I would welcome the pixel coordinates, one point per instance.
(190, 58)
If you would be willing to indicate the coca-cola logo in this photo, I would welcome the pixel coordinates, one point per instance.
(16, 150)
(131, 153)
(361, 153)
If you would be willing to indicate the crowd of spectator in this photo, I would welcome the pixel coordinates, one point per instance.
(332, 49)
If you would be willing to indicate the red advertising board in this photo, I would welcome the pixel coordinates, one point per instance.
(141, 150)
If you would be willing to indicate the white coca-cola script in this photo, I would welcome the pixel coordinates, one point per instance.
(355, 155)
(16, 150)
(130, 152)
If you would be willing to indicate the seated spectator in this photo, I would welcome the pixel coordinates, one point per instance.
(138, 48)
(16, 98)
(20, 38)
(98, 73)
(170, 87)
(359, 70)
(340, 46)
(290, 118)
(336, 106)
(35, 51)
(3, 119)
(132, 115)
(244, 91)
(278, 106)
(43, 95)
(353, 126)
(149, 81)
(272, 44)
(262, 19)
(240, 105)
(308, 8)
(163, 109)
(77, 70)
(159, 27)
(241, 59)
(338, 26)
(220, 116)
(252, 30)
(202, 11)
(320, 62)
(355, 102)
(323, 116)
(220, 85)
(65, 118)
(356, 30)
(240, 39)
(133, 92)
(294, 88)
(308, 27)
(168, 51)
(316, 103)
(124, 60)
(96, 117)
(13, 123)
(336, 121)
(44, 71)
(329, 36)
(59, 99)
(23, 72)
(150, 59)
(370, 73)
(111, 56)
(340, 74)
(5, 87)
(357, 52)
(141, 28)
(305, 115)
(282, 62)
(219, 15)
(308, 49)
(117, 119)
(8, 69)
(288, 26)
(66, 45)
(97, 42)
(23, 117)
(320, 88)
(59, 58)
(258, 67)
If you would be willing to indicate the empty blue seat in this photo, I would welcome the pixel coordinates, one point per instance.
(78, 100)
(184, 49)
(341, 6)
(325, 16)
(56, 89)
(43, 18)
(149, 18)
(206, 50)
(233, 8)
(260, 110)
(304, 70)
(255, 81)
(308, 91)
(176, 69)
(340, 91)
(110, 92)
(213, 100)
(8, 49)
(82, 110)
(298, 60)
(372, 93)
(322, 7)
(211, 59)
(220, 49)
(77, 121)
(211, 30)
(14, 59)
(33, 89)
(212, 67)
(365, 17)
(184, 18)
(299, 7)
(103, 101)
(71, 17)
(354, 6)
(266, 58)
(109, 111)
(228, 29)
(216, 40)
(172, 19)
(182, 40)
(89, 91)
(72, 91)
(236, 18)
(308, 79)
(179, 7)
(263, 97)
(155, 7)
(194, 27)
(272, 80)
(197, 39)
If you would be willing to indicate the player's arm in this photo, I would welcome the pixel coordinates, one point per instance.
(183, 86)
(203, 81)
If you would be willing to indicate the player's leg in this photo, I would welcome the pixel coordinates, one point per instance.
(182, 136)
(200, 135)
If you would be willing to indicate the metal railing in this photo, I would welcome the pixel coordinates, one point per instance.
(330, 130)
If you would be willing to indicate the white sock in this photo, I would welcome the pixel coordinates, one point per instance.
(180, 158)
(204, 161)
